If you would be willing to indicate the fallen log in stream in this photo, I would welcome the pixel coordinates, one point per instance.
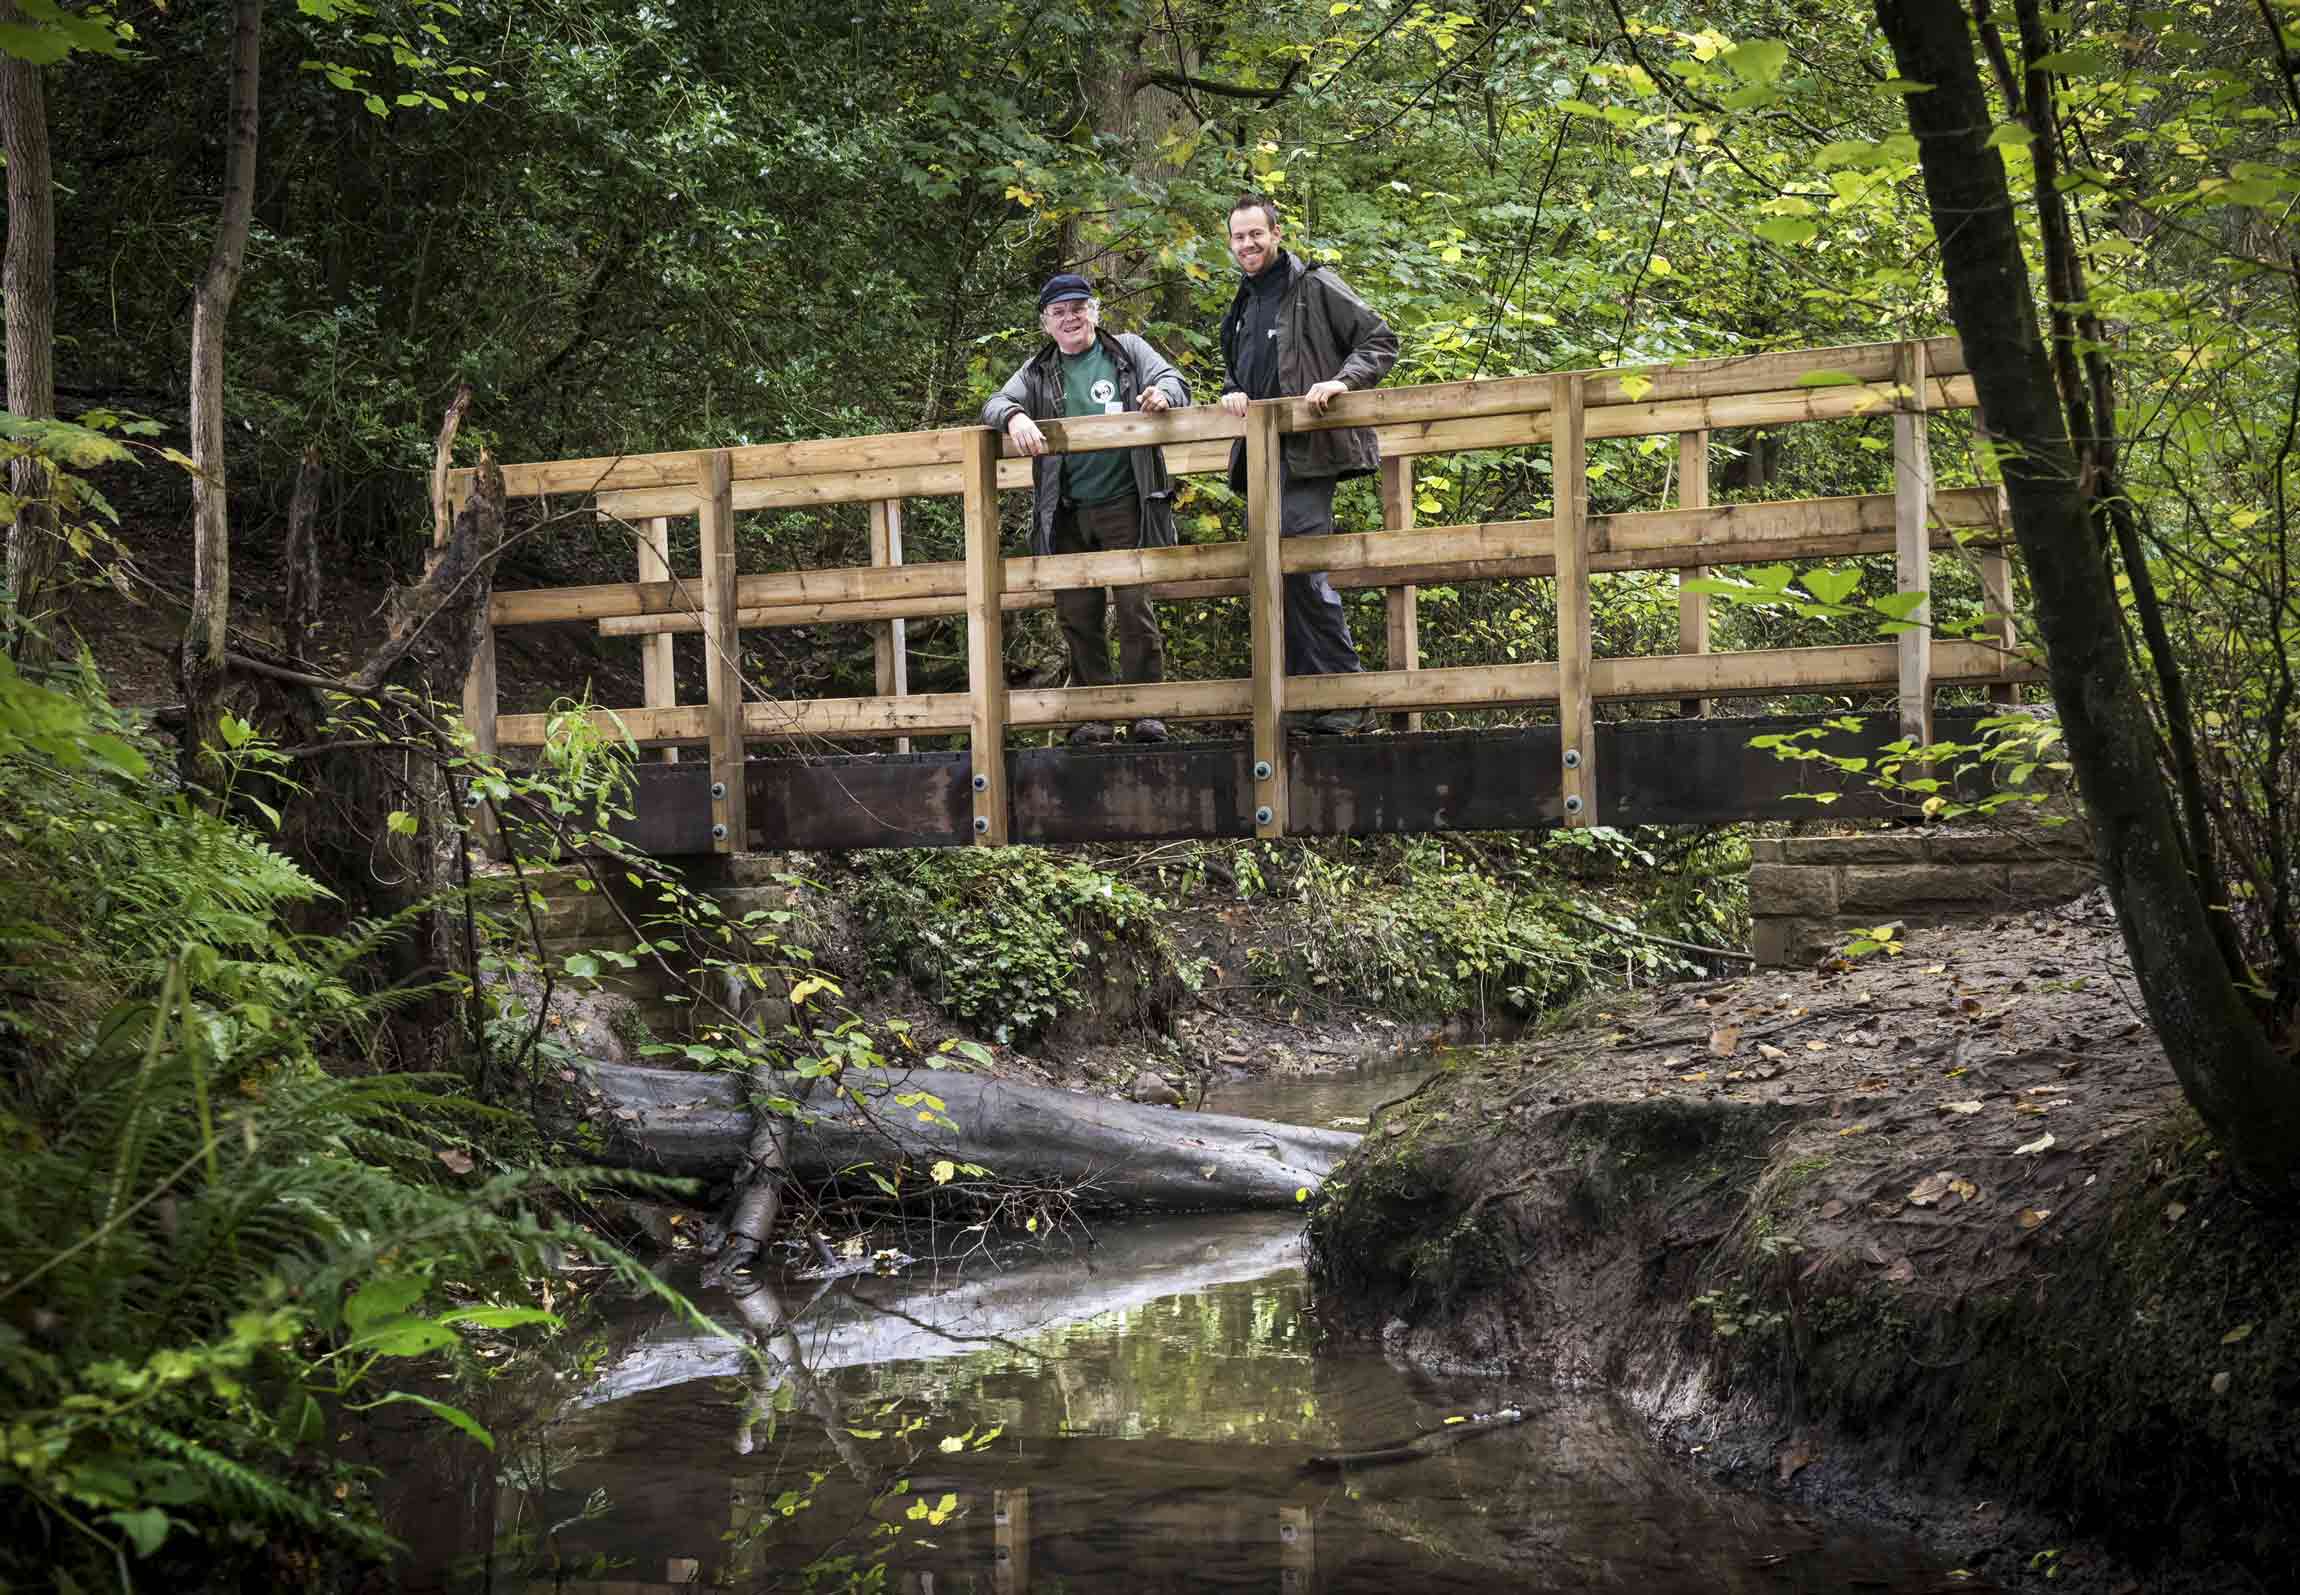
(1106, 1155)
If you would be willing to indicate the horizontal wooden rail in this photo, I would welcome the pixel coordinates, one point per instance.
(1856, 667)
(880, 456)
(1827, 528)
(1399, 440)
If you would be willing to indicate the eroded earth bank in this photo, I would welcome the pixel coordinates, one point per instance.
(1932, 1239)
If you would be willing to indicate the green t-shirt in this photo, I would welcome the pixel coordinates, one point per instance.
(1090, 387)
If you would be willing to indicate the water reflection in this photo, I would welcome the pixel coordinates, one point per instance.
(1134, 1418)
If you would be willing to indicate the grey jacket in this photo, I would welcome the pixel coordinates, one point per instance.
(1036, 391)
(1325, 333)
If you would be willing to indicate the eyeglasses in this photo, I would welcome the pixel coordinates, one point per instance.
(1068, 309)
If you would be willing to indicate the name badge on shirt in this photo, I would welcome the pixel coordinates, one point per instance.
(1113, 407)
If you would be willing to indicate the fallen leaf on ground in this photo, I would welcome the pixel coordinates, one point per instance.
(1766, 1049)
(2043, 1143)
(1816, 1046)
(2031, 1217)
(1854, 1129)
(1901, 1273)
(2240, 1332)
(1931, 1188)
(460, 1163)
(1966, 1189)
(1723, 1040)
(1960, 1107)
(2220, 1384)
(1936, 969)
(1834, 1207)
(1698, 1074)
(2174, 1212)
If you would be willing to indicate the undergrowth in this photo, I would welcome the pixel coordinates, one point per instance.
(1009, 940)
(219, 1234)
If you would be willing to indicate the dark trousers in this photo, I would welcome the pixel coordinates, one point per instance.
(1317, 631)
(1091, 529)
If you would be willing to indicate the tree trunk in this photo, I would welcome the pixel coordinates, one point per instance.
(28, 280)
(2245, 1092)
(1107, 1154)
(200, 668)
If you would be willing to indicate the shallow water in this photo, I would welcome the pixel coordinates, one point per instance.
(1135, 1416)
(1320, 1100)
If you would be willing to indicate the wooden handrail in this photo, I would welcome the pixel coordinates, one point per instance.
(1624, 387)
(1753, 673)
(1823, 528)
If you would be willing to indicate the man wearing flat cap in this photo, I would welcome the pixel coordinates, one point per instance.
(1109, 498)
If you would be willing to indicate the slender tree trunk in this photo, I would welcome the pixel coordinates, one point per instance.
(201, 667)
(28, 278)
(2247, 1094)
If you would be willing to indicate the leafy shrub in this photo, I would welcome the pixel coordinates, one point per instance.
(1012, 940)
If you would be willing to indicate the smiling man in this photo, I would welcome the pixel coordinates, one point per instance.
(1296, 330)
(1111, 498)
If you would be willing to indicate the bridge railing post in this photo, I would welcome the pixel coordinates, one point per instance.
(657, 664)
(481, 701)
(1401, 606)
(722, 654)
(985, 636)
(1266, 613)
(1692, 608)
(1912, 507)
(1576, 711)
(890, 640)
(1996, 569)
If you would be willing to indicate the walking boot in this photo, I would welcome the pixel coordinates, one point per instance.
(1092, 731)
(1149, 730)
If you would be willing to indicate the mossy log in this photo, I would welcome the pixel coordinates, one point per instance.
(1105, 1155)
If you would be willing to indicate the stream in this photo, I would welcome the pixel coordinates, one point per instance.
(1130, 1415)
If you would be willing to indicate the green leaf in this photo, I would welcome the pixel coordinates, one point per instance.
(146, 1528)
(498, 1317)
(438, 1409)
(405, 1337)
(581, 965)
(1785, 230)
(384, 1297)
(1899, 606)
(1759, 60)
(38, 45)
(1830, 585)
(400, 823)
(2009, 133)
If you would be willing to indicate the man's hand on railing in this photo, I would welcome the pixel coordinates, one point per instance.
(1322, 393)
(1153, 401)
(1026, 436)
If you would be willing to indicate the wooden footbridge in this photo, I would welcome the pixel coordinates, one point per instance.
(770, 780)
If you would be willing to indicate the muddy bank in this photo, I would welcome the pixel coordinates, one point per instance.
(1933, 1238)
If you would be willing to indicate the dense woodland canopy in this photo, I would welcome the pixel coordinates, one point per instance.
(707, 222)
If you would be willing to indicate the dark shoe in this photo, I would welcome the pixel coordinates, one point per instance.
(1337, 722)
(1148, 730)
(1093, 731)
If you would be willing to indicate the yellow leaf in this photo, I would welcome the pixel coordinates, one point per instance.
(1854, 1129)
(1635, 387)
(1723, 1040)
(943, 1171)
(2031, 1217)
(2240, 1332)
